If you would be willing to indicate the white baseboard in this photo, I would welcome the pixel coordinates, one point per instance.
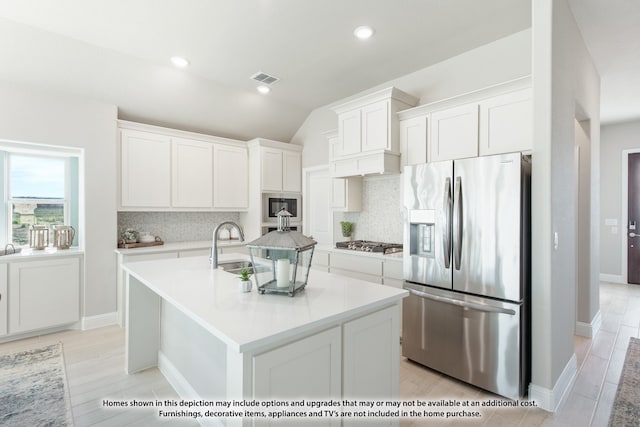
(182, 387)
(612, 278)
(589, 330)
(99, 321)
(550, 399)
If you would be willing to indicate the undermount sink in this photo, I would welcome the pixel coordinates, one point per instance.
(235, 267)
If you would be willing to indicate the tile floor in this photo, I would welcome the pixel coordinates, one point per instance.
(95, 359)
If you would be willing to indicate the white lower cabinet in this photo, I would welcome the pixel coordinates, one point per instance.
(3, 300)
(370, 369)
(43, 294)
(307, 368)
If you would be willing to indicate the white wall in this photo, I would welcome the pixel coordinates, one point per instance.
(505, 59)
(615, 138)
(36, 116)
(566, 85)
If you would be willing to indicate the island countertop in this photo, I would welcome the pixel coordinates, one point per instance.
(248, 321)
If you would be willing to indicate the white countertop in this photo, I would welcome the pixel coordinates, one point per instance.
(178, 246)
(248, 321)
(50, 252)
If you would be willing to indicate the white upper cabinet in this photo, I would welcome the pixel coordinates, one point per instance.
(368, 140)
(271, 168)
(506, 123)
(230, 177)
(291, 172)
(169, 170)
(145, 160)
(375, 127)
(350, 131)
(280, 170)
(454, 133)
(192, 173)
(413, 140)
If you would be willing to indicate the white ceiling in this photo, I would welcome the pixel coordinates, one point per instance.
(117, 51)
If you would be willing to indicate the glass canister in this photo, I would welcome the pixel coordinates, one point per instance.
(38, 237)
(63, 236)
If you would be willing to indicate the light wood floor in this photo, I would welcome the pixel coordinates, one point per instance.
(95, 369)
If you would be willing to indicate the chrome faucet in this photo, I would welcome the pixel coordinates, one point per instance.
(214, 245)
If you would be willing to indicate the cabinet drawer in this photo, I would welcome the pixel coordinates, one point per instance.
(393, 270)
(149, 257)
(357, 275)
(194, 252)
(356, 263)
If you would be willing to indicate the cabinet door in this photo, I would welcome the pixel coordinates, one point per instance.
(454, 133)
(310, 368)
(506, 123)
(346, 194)
(3, 300)
(145, 169)
(413, 141)
(230, 177)
(192, 173)
(349, 132)
(372, 344)
(291, 172)
(375, 127)
(43, 294)
(271, 169)
(335, 149)
(317, 214)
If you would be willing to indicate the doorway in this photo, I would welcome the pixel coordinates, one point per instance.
(633, 219)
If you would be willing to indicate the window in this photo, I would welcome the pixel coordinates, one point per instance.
(38, 193)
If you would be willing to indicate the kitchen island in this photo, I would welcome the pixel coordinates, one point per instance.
(338, 339)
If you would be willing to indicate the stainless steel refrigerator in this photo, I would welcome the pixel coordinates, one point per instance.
(467, 268)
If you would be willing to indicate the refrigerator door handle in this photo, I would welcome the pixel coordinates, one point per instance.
(446, 232)
(463, 304)
(457, 223)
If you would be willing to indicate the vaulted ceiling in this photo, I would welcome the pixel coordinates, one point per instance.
(117, 52)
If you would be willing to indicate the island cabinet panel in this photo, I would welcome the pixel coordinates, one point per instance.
(3, 300)
(43, 294)
(308, 368)
(371, 360)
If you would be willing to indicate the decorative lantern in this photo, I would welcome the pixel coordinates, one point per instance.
(281, 259)
(38, 237)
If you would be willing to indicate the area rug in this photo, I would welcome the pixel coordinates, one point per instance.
(33, 388)
(626, 405)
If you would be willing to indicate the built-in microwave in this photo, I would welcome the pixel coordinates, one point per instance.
(273, 203)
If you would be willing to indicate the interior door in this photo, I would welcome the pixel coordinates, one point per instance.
(633, 230)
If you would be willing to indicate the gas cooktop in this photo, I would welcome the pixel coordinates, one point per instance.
(369, 246)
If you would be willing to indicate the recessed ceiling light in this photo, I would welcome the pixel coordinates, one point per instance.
(364, 32)
(263, 89)
(179, 61)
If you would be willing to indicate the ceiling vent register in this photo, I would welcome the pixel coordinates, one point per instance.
(264, 78)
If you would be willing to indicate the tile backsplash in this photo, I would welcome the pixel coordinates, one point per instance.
(381, 215)
(175, 226)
